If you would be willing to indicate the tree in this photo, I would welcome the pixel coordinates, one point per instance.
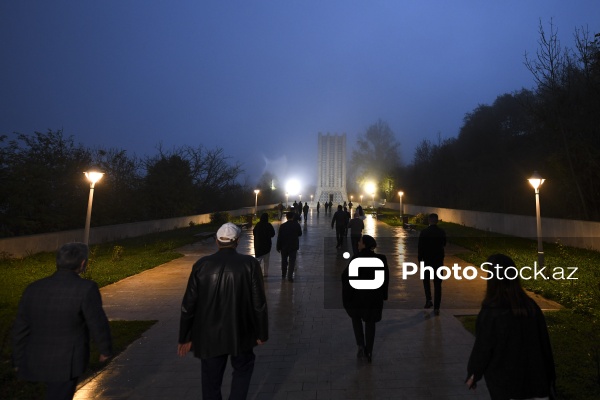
(43, 186)
(119, 198)
(566, 112)
(377, 158)
(168, 187)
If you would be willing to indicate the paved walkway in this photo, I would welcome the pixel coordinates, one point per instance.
(311, 352)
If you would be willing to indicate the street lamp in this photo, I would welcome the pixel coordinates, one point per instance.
(361, 196)
(311, 199)
(93, 177)
(536, 181)
(300, 198)
(286, 199)
(256, 192)
(400, 194)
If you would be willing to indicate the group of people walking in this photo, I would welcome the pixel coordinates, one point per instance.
(224, 314)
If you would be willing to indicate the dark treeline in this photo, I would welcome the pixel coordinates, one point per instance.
(554, 129)
(43, 188)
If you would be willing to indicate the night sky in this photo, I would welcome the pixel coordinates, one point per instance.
(261, 78)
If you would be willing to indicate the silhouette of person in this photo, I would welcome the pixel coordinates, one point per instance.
(55, 319)
(318, 206)
(512, 348)
(263, 233)
(305, 211)
(288, 245)
(432, 241)
(339, 221)
(365, 304)
(356, 226)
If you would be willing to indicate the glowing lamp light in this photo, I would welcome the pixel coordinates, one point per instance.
(93, 176)
(293, 187)
(536, 180)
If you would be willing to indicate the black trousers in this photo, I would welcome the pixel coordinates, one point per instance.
(64, 390)
(287, 268)
(214, 368)
(437, 287)
(340, 234)
(364, 338)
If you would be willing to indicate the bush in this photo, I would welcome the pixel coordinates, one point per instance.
(219, 217)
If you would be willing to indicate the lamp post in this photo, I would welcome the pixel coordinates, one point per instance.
(361, 196)
(311, 199)
(300, 198)
(286, 199)
(400, 194)
(256, 192)
(93, 177)
(536, 181)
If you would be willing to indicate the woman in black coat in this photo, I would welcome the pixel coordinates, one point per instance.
(512, 348)
(365, 304)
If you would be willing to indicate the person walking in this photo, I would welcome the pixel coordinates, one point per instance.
(318, 207)
(432, 241)
(356, 226)
(288, 245)
(339, 222)
(55, 319)
(365, 305)
(280, 210)
(224, 315)
(512, 348)
(305, 211)
(263, 233)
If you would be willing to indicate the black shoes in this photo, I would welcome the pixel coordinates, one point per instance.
(428, 304)
(436, 312)
(369, 357)
(361, 352)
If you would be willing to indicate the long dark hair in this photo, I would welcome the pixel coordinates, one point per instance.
(504, 292)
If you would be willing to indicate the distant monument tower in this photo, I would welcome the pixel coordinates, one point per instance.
(331, 184)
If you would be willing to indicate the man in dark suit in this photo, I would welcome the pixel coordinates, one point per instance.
(340, 222)
(57, 314)
(288, 245)
(432, 241)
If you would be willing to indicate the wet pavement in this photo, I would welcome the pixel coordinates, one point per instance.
(311, 353)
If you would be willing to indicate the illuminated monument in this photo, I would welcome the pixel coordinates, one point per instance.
(331, 184)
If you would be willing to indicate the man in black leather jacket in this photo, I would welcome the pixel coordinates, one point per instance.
(224, 313)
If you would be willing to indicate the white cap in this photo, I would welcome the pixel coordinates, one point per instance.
(228, 232)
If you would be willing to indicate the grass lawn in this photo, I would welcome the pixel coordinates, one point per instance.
(574, 331)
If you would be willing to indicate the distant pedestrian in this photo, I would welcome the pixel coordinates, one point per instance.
(432, 241)
(350, 207)
(263, 233)
(361, 212)
(512, 348)
(365, 304)
(339, 222)
(305, 211)
(288, 245)
(318, 207)
(280, 210)
(56, 317)
(356, 226)
(224, 314)
(326, 206)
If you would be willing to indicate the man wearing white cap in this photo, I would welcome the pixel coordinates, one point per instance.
(224, 313)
